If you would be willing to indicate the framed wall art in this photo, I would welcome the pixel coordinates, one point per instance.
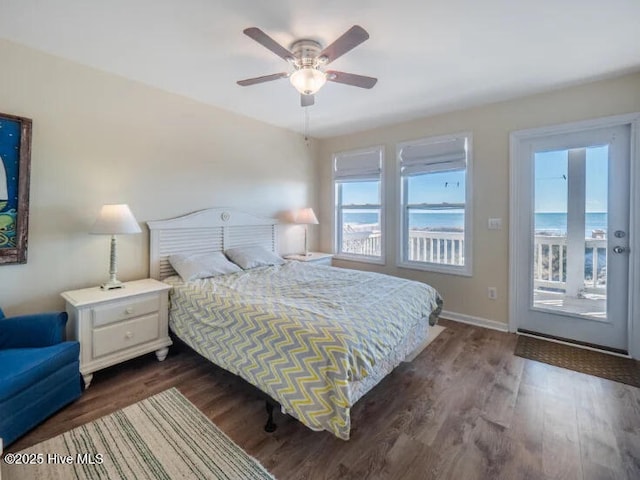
(15, 167)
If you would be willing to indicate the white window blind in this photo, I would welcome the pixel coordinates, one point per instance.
(434, 176)
(359, 213)
(358, 166)
(443, 156)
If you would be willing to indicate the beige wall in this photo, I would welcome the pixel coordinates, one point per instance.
(490, 126)
(98, 138)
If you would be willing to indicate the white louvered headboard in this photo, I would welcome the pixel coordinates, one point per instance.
(205, 231)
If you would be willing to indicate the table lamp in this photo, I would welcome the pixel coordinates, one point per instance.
(114, 220)
(307, 217)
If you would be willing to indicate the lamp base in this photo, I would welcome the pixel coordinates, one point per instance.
(111, 284)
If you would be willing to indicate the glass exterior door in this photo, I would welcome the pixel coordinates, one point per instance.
(575, 276)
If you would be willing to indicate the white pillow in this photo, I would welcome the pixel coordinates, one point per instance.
(201, 265)
(252, 257)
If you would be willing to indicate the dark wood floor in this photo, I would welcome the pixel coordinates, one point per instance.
(466, 408)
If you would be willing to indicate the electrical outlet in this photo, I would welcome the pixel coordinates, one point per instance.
(493, 293)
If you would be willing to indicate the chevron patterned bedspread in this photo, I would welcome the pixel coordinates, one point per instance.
(300, 332)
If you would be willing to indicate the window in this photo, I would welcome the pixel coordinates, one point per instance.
(435, 214)
(359, 215)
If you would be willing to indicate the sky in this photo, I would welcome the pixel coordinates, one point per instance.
(551, 183)
(447, 187)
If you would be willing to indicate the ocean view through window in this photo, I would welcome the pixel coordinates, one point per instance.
(552, 225)
(435, 216)
(358, 205)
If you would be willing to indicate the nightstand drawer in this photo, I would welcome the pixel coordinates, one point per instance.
(131, 308)
(125, 334)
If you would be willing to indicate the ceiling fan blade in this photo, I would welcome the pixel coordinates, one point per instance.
(265, 78)
(351, 79)
(306, 100)
(348, 41)
(268, 42)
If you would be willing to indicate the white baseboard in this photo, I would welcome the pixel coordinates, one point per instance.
(477, 321)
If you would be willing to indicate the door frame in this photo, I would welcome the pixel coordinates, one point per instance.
(517, 139)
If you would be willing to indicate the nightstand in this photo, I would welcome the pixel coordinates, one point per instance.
(318, 258)
(116, 325)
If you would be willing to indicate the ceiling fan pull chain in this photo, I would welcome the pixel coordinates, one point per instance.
(306, 125)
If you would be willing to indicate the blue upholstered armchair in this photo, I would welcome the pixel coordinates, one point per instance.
(39, 372)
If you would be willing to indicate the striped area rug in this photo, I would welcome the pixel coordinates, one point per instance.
(162, 437)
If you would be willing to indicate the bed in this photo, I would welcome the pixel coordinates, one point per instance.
(313, 338)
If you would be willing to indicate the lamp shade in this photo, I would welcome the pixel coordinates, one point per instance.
(308, 80)
(115, 219)
(306, 216)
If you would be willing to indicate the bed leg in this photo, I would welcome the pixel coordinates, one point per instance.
(270, 426)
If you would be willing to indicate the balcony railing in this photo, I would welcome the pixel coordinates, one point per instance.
(550, 254)
(436, 247)
(550, 263)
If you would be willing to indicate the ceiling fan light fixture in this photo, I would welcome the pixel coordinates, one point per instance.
(308, 80)
(308, 61)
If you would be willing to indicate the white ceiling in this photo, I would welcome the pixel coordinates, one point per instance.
(429, 56)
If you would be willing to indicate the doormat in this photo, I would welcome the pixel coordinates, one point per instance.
(618, 369)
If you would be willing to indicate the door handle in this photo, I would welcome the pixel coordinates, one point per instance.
(619, 249)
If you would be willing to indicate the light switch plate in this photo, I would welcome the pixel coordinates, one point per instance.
(495, 224)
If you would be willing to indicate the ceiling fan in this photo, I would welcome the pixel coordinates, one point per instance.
(309, 59)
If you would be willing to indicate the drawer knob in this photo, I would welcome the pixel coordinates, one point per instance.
(128, 335)
(128, 310)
